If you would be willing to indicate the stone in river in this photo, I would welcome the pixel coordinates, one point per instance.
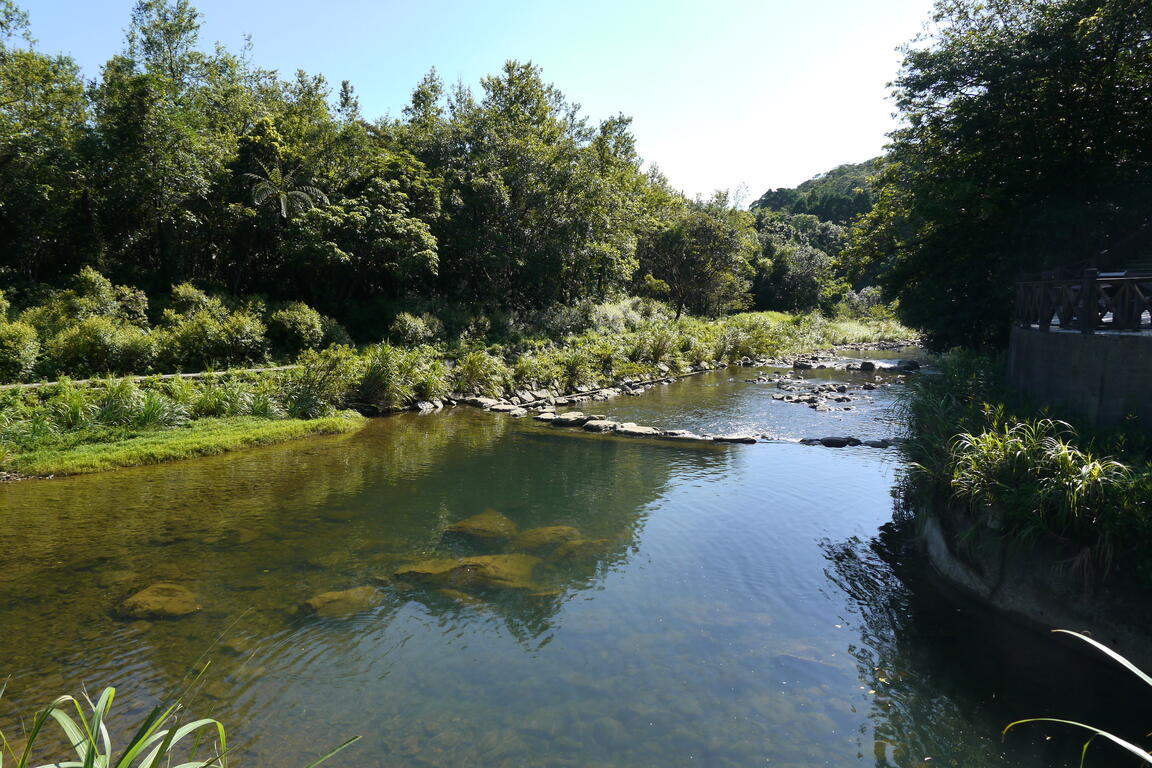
(570, 419)
(838, 442)
(518, 412)
(545, 416)
(583, 549)
(505, 408)
(488, 526)
(545, 539)
(601, 425)
(635, 430)
(484, 572)
(878, 443)
(482, 402)
(735, 439)
(343, 602)
(162, 600)
(867, 365)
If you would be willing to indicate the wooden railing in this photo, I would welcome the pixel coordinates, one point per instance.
(1094, 302)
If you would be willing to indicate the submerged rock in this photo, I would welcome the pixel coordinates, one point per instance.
(488, 526)
(583, 549)
(481, 572)
(162, 600)
(545, 539)
(343, 602)
(882, 443)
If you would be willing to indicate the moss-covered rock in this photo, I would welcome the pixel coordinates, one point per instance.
(342, 602)
(487, 527)
(162, 600)
(582, 549)
(545, 539)
(481, 572)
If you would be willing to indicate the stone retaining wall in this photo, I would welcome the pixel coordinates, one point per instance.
(1101, 377)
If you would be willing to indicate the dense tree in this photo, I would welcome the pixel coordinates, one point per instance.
(1026, 143)
(700, 260)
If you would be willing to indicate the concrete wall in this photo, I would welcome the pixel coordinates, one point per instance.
(1102, 377)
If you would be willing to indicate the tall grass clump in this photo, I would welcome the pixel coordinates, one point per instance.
(480, 373)
(321, 382)
(395, 377)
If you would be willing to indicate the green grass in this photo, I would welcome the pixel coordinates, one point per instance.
(203, 437)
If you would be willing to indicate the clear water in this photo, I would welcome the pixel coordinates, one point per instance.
(753, 604)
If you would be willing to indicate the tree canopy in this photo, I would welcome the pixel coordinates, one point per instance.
(1025, 143)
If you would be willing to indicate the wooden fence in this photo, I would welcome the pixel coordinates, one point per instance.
(1094, 302)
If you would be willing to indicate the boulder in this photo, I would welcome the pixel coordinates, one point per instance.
(544, 539)
(162, 600)
(601, 425)
(867, 365)
(635, 430)
(878, 443)
(482, 572)
(342, 603)
(482, 402)
(545, 416)
(486, 527)
(518, 412)
(504, 408)
(810, 441)
(570, 419)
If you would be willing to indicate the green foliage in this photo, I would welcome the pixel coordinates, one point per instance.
(295, 328)
(838, 196)
(212, 338)
(701, 260)
(1026, 143)
(321, 382)
(19, 351)
(481, 373)
(1024, 476)
(100, 345)
(395, 377)
(158, 739)
(410, 330)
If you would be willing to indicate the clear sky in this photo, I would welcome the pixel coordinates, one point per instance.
(760, 93)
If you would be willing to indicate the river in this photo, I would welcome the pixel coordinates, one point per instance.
(746, 605)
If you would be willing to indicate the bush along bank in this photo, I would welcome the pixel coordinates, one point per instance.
(64, 427)
(1034, 515)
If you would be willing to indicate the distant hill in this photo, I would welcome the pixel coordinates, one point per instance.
(839, 195)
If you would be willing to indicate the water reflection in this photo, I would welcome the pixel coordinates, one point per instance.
(942, 667)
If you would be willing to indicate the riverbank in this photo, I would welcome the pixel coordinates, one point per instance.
(204, 437)
(67, 427)
(1036, 517)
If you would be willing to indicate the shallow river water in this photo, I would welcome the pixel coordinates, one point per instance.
(751, 604)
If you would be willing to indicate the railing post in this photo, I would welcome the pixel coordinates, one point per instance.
(1088, 318)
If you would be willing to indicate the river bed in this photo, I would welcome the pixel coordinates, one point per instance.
(748, 605)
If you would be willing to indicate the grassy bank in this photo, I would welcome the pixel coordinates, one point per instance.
(1001, 467)
(204, 437)
(67, 428)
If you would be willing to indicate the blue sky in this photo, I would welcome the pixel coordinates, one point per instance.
(725, 93)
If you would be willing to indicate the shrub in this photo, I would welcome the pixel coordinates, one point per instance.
(333, 333)
(409, 330)
(207, 339)
(387, 378)
(223, 398)
(295, 328)
(480, 372)
(19, 351)
(100, 345)
(322, 381)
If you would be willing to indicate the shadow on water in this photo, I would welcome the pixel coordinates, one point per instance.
(942, 666)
